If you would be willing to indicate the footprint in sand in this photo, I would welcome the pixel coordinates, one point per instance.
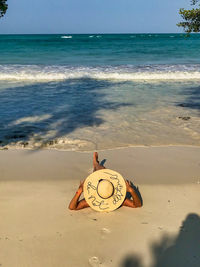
(105, 232)
(95, 262)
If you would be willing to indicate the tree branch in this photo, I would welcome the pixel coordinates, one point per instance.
(3, 7)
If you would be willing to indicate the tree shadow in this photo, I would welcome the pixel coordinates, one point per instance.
(132, 261)
(45, 111)
(182, 250)
(192, 100)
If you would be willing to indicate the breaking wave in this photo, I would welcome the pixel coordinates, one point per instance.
(128, 73)
(66, 37)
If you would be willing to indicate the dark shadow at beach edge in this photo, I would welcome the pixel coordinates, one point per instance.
(182, 250)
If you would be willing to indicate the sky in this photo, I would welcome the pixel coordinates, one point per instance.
(92, 16)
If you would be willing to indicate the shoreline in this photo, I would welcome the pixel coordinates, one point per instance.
(92, 150)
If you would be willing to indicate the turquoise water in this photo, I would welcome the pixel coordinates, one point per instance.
(95, 50)
(86, 92)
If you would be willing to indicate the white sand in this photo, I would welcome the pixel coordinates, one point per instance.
(37, 229)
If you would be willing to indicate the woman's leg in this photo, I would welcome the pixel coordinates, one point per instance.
(96, 165)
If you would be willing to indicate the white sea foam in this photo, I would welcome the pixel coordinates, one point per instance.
(66, 37)
(63, 143)
(130, 73)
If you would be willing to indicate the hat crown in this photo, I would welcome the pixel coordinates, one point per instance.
(105, 189)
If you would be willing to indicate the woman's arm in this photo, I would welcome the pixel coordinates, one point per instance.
(75, 204)
(135, 202)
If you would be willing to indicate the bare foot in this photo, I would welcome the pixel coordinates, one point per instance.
(95, 158)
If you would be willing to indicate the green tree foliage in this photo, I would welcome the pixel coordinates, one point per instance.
(191, 18)
(3, 7)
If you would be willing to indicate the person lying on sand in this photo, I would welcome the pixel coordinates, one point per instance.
(105, 194)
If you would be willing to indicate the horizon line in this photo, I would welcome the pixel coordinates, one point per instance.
(96, 33)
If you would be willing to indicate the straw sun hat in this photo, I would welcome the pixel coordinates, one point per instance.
(104, 190)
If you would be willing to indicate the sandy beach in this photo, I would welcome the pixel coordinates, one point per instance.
(121, 78)
(37, 229)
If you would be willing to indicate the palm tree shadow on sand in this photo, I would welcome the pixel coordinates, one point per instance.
(181, 251)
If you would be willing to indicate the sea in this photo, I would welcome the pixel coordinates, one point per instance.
(87, 92)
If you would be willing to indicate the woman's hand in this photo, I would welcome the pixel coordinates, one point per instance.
(128, 186)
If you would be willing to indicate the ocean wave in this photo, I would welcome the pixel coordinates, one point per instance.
(63, 143)
(38, 73)
(97, 36)
(66, 37)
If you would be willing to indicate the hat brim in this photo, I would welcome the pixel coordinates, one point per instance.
(92, 197)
